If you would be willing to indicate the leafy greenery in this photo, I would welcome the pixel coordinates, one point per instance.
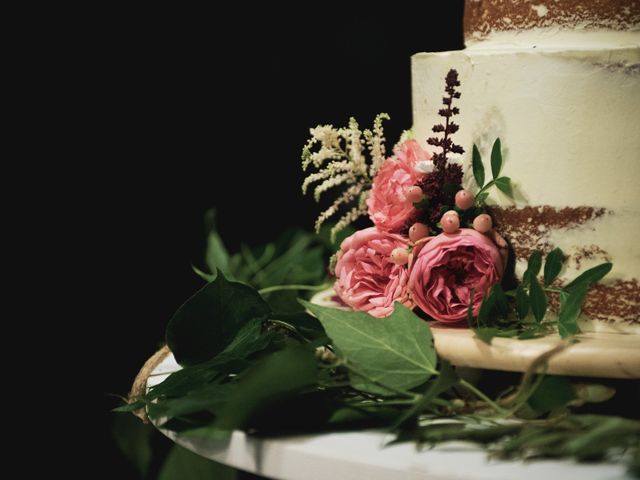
(254, 362)
(523, 312)
(502, 183)
(383, 355)
(206, 323)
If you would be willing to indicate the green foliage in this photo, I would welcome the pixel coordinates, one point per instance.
(553, 266)
(496, 159)
(502, 183)
(186, 465)
(383, 355)
(133, 438)
(478, 167)
(209, 320)
(538, 299)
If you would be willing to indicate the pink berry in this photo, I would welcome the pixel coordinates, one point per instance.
(414, 194)
(450, 222)
(464, 200)
(400, 256)
(418, 231)
(482, 223)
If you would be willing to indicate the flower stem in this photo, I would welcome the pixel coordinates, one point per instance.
(277, 288)
(483, 397)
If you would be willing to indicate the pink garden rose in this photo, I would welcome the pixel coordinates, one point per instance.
(389, 208)
(448, 269)
(367, 280)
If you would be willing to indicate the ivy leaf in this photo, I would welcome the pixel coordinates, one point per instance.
(522, 302)
(208, 321)
(552, 265)
(538, 299)
(504, 185)
(395, 352)
(478, 168)
(272, 379)
(590, 277)
(570, 308)
(496, 159)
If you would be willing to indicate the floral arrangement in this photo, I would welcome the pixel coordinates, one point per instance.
(257, 355)
(432, 246)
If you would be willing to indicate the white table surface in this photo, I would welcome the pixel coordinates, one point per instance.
(362, 455)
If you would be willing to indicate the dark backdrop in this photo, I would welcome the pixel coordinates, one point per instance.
(198, 110)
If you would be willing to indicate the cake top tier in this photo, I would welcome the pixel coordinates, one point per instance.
(482, 18)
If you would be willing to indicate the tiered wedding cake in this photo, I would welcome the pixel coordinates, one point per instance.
(559, 83)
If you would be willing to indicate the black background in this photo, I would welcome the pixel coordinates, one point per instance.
(190, 110)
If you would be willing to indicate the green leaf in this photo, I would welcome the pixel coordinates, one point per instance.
(186, 465)
(232, 360)
(486, 308)
(553, 265)
(133, 438)
(422, 204)
(478, 168)
(570, 308)
(481, 197)
(208, 321)
(486, 334)
(590, 277)
(538, 300)
(207, 277)
(534, 264)
(522, 302)
(216, 256)
(443, 382)
(504, 185)
(272, 379)
(502, 305)
(396, 352)
(496, 158)
(552, 392)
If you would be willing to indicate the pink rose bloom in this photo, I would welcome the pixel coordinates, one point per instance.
(450, 271)
(389, 208)
(366, 279)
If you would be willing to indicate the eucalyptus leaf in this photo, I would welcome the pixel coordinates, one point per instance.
(504, 185)
(553, 265)
(590, 277)
(496, 158)
(570, 308)
(272, 379)
(478, 167)
(522, 302)
(538, 299)
(395, 352)
(208, 321)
